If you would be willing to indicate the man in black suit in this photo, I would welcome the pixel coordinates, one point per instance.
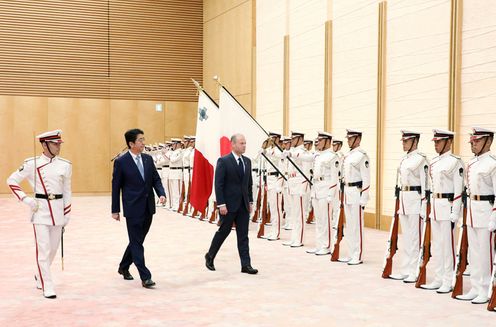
(135, 174)
(233, 191)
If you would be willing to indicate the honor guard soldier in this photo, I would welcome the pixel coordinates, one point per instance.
(257, 186)
(446, 174)
(337, 145)
(274, 185)
(481, 214)
(284, 167)
(413, 186)
(192, 142)
(298, 187)
(307, 166)
(175, 172)
(50, 177)
(356, 179)
(186, 157)
(325, 185)
(166, 151)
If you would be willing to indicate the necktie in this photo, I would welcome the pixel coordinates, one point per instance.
(140, 167)
(241, 170)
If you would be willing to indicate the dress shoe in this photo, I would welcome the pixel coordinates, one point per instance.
(249, 270)
(444, 289)
(431, 286)
(481, 299)
(312, 251)
(398, 276)
(125, 273)
(49, 294)
(410, 279)
(209, 262)
(323, 252)
(472, 294)
(272, 238)
(354, 262)
(345, 259)
(296, 245)
(148, 283)
(38, 283)
(287, 243)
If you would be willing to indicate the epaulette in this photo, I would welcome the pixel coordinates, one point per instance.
(70, 163)
(455, 156)
(422, 154)
(362, 151)
(493, 156)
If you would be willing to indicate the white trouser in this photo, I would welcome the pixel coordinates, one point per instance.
(443, 251)
(275, 201)
(298, 203)
(480, 246)
(165, 183)
(322, 211)
(175, 189)
(411, 228)
(186, 185)
(287, 208)
(47, 240)
(336, 209)
(354, 230)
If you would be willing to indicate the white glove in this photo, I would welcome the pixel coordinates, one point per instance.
(30, 202)
(330, 199)
(423, 209)
(454, 218)
(492, 222)
(261, 151)
(66, 220)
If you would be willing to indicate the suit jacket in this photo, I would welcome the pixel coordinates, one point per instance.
(137, 194)
(230, 189)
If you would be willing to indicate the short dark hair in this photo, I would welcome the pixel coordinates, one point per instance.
(131, 135)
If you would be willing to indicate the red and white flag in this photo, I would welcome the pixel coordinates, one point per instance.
(235, 119)
(207, 151)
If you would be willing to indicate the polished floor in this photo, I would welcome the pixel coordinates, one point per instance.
(293, 288)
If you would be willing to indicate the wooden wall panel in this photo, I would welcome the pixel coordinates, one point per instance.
(227, 50)
(180, 119)
(127, 49)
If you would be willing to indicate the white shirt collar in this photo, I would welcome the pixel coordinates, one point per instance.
(236, 157)
(133, 155)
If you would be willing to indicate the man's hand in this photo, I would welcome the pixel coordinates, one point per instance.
(223, 210)
(162, 200)
(116, 216)
(31, 203)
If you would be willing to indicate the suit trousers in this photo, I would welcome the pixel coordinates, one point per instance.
(241, 218)
(137, 228)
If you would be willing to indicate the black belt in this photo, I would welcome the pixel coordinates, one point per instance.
(49, 196)
(159, 168)
(186, 168)
(273, 173)
(449, 196)
(489, 198)
(176, 167)
(411, 188)
(167, 166)
(321, 178)
(354, 184)
(255, 170)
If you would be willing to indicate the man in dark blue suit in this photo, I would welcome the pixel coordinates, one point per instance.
(135, 174)
(233, 192)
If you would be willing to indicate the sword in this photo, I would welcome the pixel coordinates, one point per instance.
(62, 246)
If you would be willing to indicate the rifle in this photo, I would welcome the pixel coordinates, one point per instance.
(181, 198)
(186, 208)
(212, 215)
(261, 230)
(311, 217)
(461, 257)
(257, 205)
(491, 306)
(393, 234)
(340, 226)
(425, 251)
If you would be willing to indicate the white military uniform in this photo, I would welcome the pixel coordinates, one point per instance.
(481, 181)
(325, 186)
(256, 177)
(298, 192)
(286, 205)
(191, 165)
(413, 184)
(187, 172)
(274, 192)
(356, 176)
(446, 174)
(165, 177)
(159, 161)
(175, 176)
(50, 209)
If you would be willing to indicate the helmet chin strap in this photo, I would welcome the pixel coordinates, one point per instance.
(48, 148)
(411, 146)
(354, 141)
(444, 147)
(485, 142)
